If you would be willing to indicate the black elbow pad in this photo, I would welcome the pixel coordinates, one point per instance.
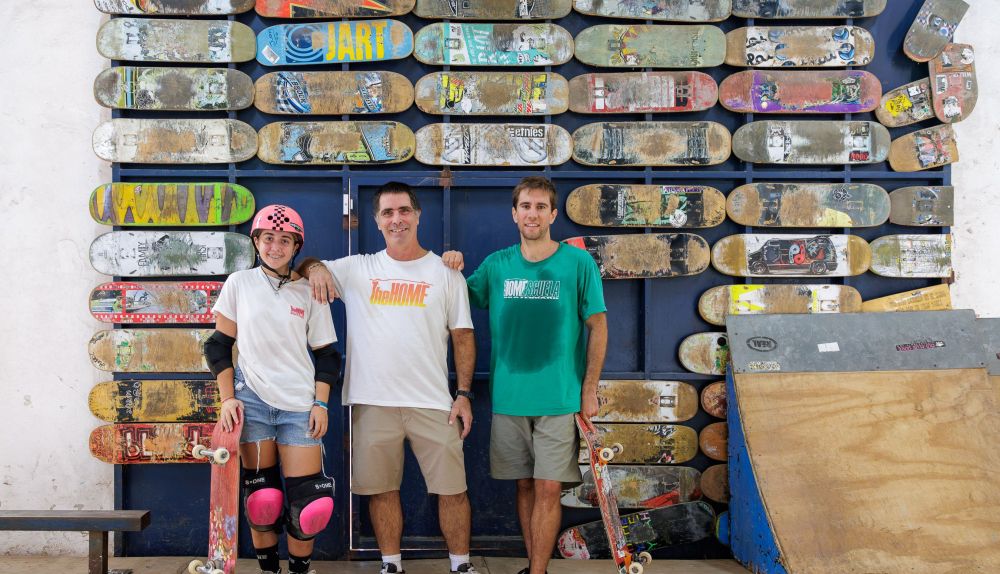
(218, 351)
(327, 364)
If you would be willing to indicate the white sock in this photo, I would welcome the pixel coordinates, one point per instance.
(457, 560)
(394, 559)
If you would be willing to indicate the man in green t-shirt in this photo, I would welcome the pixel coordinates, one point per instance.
(544, 367)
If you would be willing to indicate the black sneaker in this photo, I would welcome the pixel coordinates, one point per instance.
(390, 568)
(528, 571)
(466, 568)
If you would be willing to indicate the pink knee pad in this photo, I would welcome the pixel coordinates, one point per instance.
(264, 506)
(316, 515)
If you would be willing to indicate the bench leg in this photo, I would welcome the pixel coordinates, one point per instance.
(98, 561)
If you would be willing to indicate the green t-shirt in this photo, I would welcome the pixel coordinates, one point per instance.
(539, 339)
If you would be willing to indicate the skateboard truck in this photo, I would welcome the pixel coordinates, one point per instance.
(607, 454)
(216, 456)
(199, 567)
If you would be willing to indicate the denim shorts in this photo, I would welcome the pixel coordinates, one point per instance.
(261, 421)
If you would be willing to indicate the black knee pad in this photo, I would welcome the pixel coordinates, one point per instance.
(310, 505)
(263, 499)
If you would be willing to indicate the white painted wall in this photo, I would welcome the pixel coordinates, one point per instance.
(47, 169)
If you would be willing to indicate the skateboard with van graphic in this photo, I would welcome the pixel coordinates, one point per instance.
(923, 255)
(175, 8)
(187, 204)
(171, 253)
(705, 353)
(638, 486)
(781, 9)
(332, 93)
(607, 144)
(332, 8)
(675, 11)
(799, 46)
(717, 303)
(146, 443)
(651, 46)
(507, 93)
(642, 92)
(224, 500)
(825, 142)
(172, 350)
(927, 148)
(173, 89)
(481, 44)
(155, 401)
(627, 205)
(646, 255)
(928, 206)
(174, 141)
(483, 144)
(493, 9)
(933, 28)
(175, 40)
(626, 401)
(933, 298)
(801, 92)
(157, 303)
(790, 255)
(336, 143)
(953, 83)
(808, 205)
(645, 531)
(341, 42)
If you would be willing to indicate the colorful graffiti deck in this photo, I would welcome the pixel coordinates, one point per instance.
(492, 93)
(808, 205)
(647, 255)
(933, 28)
(188, 204)
(799, 46)
(759, 255)
(906, 105)
(713, 440)
(646, 443)
(651, 143)
(934, 298)
(651, 46)
(715, 483)
(929, 206)
(801, 92)
(175, 89)
(524, 44)
(333, 93)
(637, 486)
(493, 9)
(627, 205)
(811, 142)
(343, 42)
(162, 40)
(953, 79)
(182, 401)
(912, 256)
(627, 401)
(144, 443)
(780, 9)
(170, 253)
(718, 302)
(174, 141)
(705, 353)
(713, 399)
(642, 92)
(493, 144)
(224, 501)
(335, 143)
(683, 11)
(175, 8)
(645, 531)
(163, 303)
(149, 350)
(924, 149)
(332, 8)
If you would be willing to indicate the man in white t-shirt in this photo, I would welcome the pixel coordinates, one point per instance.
(402, 304)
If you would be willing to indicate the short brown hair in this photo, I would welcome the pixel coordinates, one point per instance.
(394, 187)
(536, 182)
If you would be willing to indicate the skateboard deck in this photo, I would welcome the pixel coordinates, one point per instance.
(638, 486)
(651, 143)
(646, 255)
(645, 531)
(161, 303)
(929, 206)
(933, 28)
(184, 401)
(808, 205)
(174, 7)
(647, 443)
(713, 399)
(912, 256)
(333, 93)
(799, 46)
(717, 303)
(493, 9)
(642, 92)
(524, 44)
(906, 105)
(492, 93)
(144, 443)
(645, 402)
(332, 8)
(300, 44)
(953, 77)
(174, 141)
(224, 502)
(705, 353)
(780, 9)
(162, 40)
(174, 89)
(934, 298)
(188, 204)
(801, 92)
(715, 483)
(824, 142)
(791, 255)
(171, 253)
(627, 205)
(149, 350)
(335, 143)
(674, 11)
(651, 46)
(493, 144)
(713, 440)
(926, 148)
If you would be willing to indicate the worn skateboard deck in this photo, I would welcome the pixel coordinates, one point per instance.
(811, 142)
(626, 205)
(162, 40)
(713, 399)
(780, 9)
(224, 501)
(705, 353)
(188, 204)
(801, 92)
(333, 93)
(715, 483)
(175, 302)
(799, 46)
(808, 205)
(492, 93)
(929, 206)
(926, 148)
(953, 77)
(647, 443)
(170, 253)
(342, 42)
(175, 7)
(647, 255)
(180, 89)
(934, 298)
(673, 11)
(718, 302)
(645, 402)
(933, 28)
(143, 443)
(185, 401)
(336, 143)
(525, 44)
(906, 105)
(791, 255)
(713, 440)
(149, 350)
(642, 92)
(912, 255)
(638, 486)
(493, 9)
(493, 144)
(651, 143)
(645, 531)
(651, 46)
(332, 8)
(174, 141)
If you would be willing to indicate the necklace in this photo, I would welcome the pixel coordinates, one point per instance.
(281, 281)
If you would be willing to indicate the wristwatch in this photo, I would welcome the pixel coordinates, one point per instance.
(467, 394)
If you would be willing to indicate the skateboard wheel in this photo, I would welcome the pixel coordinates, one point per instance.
(606, 454)
(635, 568)
(220, 456)
(217, 571)
(198, 452)
(617, 447)
(194, 565)
(645, 557)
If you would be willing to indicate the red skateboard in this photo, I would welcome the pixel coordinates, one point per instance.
(224, 502)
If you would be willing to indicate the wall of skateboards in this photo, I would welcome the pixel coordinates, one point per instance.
(714, 157)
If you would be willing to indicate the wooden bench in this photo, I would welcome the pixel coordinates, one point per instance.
(97, 522)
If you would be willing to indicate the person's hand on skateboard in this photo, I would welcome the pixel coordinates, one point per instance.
(588, 404)
(453, 260)
(231, 413)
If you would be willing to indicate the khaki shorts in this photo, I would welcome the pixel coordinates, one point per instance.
(535, 447)
(377, 449)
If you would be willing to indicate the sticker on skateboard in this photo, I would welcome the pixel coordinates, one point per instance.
(713, 399)
(224, 500)
(646, 443)
(824, 142)
(170, 253)
(929, 206)
(493, 144)
(149, 350)
(953, 79)
(801, 92)
(808, 205)
(178, 40)
(174, 141)
(673, 11)
(492, 93)
(188, 204)
(715, 483)
(799, 46)
(780, 9)
(183, 401)
(647, 255)
(906, 105)
(705, 353)
(334, 42)
(174, 89)
(933, 28)
(174, 7)
(713, 440)
(627, 205)
(332, 8)
(934, 298)
(645, 531)
(651, 143)
(333, 93)
(924, 149)
(624, 401)
(336, 143)
(493, 9)
(717, 303)
(912, 256)
(144, 443)
(651, 46)
(642, 92)
(525, 44)
(162, 303)
(638, 486)
(790, 255)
